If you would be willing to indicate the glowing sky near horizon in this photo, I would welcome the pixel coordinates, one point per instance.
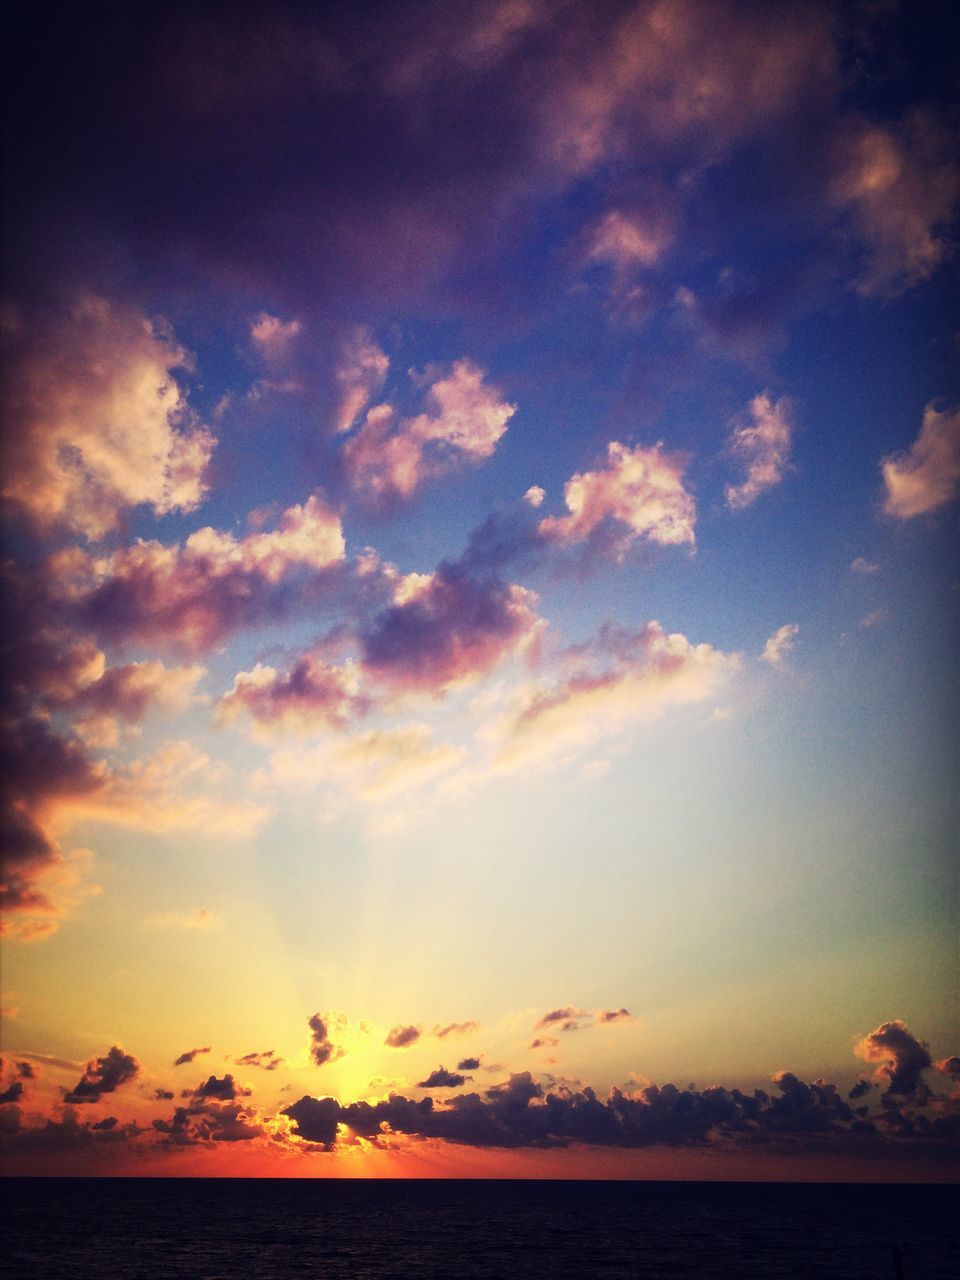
(480, 507)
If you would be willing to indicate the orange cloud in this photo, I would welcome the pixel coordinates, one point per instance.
(928, 475)
(640, 490)
(389, 458)
(763, 448)
(98, 423)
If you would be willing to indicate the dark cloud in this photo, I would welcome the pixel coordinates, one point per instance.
(323, 1026)
(267, 1059)
(904, 1059)
(441, 1078)
(544, 1042)
(104, 1075)
(520, 1113)
(224, 1089)
(189, 1054)
(26, 1070)
(64, 1135)
(468, 1064)
(460, 625)
(861, 1088)
(401, 1037)
(163, 1095)
(208, 1120)
(12, 1092)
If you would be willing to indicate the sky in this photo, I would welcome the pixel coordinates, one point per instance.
(479, 511)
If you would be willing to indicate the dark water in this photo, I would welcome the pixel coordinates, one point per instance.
(207, 1229)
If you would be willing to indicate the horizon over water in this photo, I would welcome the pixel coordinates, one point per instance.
(275, 1229)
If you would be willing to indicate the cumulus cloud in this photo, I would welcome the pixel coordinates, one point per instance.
(620, 679)
(359, 376)
(903, 1059)
(457, 626)
(326, 1031)
(928, 475)
(639, 494)
(104, 1075)
(627, 241)
(97, 422)
(900, 184)
(780, 644)
(273, 337)
(534, 496)
(763, 448)
(224, 1089)
(388, 457)
(192, 596)
(442, 1079)
(468, 1064)
(861, 565)
(311, 693)
(401, 1037)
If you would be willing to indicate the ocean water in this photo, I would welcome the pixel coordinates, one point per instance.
(218, 1229)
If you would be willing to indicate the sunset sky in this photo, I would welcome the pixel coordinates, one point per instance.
(479, 513)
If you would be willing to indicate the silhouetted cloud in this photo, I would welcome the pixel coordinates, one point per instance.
(104, 1075)
(189, 1054)
(267, 1060)
(224, 1089)
(323, 1027)
(455, 1029)
(401, 1037)
(903, 1059)
(441, 1078)
(468, 1064)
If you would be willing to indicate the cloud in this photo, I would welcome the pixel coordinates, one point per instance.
(12, 1093)
(627, 241)
(605, 1016)
(129, 693)
(401, 1037)
(616, 681)
(323, 1028)
(780, 644)
(192, 597)
(311, 693)
(388, 458)
(104, 1075)
(224, 1089)
(189, 1055)
(763, 448)
(375, 767)
(200, 918)
(273, 337)
(900, 184)
(266, 1059)
(458, 626)
(442, 1079)
(468, 1064)
(97, 423)
(544, 1042)
(639, 494)
(903, 1059)
(534, 496)
(863, 566)
(359, 376)
(928, 475)
(455, 1029)
(566, 1014)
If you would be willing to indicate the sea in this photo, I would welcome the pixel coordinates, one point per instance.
(219, 1229)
